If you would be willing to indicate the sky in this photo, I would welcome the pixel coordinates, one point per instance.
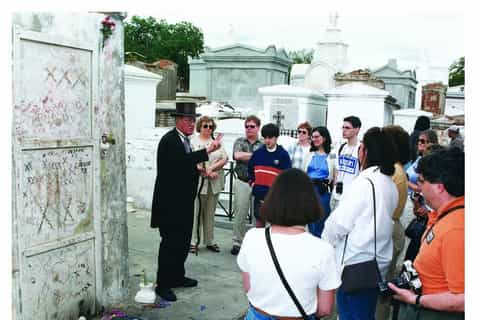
(414, 39)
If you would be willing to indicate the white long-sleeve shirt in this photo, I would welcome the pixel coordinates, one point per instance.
(354, 216)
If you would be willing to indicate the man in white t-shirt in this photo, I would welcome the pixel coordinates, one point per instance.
(347, 166)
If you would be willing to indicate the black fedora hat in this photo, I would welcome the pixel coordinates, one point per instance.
(185, 109)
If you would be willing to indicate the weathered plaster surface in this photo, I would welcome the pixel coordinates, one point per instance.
(65, 99)
(111, 119)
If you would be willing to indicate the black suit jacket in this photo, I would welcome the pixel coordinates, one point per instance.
(176, 183)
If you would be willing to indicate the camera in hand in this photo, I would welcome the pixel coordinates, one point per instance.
(339, 187)
(408, 279)
(416, 196)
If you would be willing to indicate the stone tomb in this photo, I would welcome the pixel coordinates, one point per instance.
(373, 106)
(287, 106)
(234, 73)
(140, 92)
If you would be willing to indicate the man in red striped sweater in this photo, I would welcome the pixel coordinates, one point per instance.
(264, 166)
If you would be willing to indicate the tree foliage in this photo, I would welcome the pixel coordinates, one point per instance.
(157, 39)
(301, 56)
(456, 74)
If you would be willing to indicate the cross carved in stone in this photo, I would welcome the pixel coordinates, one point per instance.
(278, 117)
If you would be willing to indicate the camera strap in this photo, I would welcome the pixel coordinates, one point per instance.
(444, 214)
(379, 275)
(374, 225)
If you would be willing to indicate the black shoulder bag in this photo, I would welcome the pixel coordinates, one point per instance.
(282, 277)
(363, 275)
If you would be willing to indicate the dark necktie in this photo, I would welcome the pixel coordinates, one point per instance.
(186, 144)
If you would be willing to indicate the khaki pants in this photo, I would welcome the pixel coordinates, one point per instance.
(398, 237)
(207, 217)
(242, 203)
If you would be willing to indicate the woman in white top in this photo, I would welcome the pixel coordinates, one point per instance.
(210, 185)
(307, 262)
(354, 217)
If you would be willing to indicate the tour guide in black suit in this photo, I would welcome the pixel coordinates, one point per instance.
(173, 199)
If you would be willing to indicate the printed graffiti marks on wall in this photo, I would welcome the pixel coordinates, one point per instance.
(57, 191)
(60, 277)
(55, 93)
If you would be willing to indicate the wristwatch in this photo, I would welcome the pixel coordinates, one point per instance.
(417, 300)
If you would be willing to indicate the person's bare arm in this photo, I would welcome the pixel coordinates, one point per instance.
(325, 302)
(242, 156)
(246, 281)
(446, 301)
(217, 165)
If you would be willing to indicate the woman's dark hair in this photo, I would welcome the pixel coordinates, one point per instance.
(401, 143)
(291, 200)
(431, 136)
(327, 143)
(422, 123)
(432, 148)
(379, 150)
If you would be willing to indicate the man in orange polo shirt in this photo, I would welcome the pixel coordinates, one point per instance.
(440, 262)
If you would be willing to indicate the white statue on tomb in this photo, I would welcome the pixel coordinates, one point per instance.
(333, 18)
(231, 35)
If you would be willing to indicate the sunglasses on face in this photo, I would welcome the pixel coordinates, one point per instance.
(347, 128)
(250, 126)
(422, 141)
(208, 126)
(300, 131)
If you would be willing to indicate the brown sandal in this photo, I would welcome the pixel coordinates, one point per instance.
(214, 248)
(193, 249)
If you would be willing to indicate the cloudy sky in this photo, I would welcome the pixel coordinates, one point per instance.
(413, 38)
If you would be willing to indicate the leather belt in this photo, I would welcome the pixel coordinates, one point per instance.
(276, 317)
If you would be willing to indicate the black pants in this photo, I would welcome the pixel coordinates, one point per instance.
(172, 254)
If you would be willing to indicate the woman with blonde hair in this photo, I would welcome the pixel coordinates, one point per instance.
(210, 185)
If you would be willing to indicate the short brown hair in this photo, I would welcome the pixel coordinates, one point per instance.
(287, 206)
(305, 125)
(205, 119)
(254, 119)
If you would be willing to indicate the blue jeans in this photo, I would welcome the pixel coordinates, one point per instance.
(316, 228)
(357, 306)
(253, 314)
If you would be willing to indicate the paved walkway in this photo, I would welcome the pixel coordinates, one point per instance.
(219, 294)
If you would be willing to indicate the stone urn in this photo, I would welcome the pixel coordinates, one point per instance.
(146, 293)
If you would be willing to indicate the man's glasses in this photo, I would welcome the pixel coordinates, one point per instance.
(250, 126)
(347, 128)
(422, 141)
(208, 126)
(300, 131)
